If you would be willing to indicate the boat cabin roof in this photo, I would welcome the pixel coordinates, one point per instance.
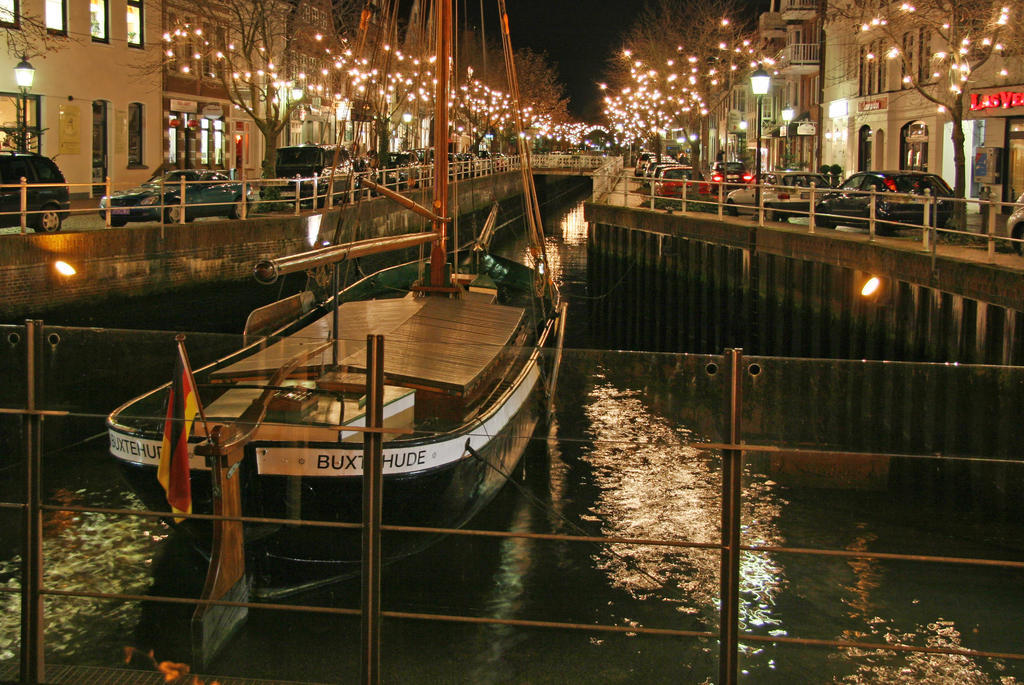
(428, 341)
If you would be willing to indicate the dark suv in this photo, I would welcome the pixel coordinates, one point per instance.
(312, 161)
(47, 197)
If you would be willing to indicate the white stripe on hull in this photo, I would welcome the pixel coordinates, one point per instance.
(325, 460)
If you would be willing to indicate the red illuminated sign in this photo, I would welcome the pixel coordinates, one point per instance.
(1004, 99)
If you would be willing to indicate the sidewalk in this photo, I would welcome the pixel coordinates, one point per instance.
(950, 245)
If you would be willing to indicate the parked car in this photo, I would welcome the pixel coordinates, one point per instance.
(207, 193)
(732, 173)
(673, 178)
(896, 200)
(47, 201)
(786, 194)
(500, 161)
(400, 170)
(642, 160)
(311, 162)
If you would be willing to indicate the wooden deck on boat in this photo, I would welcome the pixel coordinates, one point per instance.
(430, 341)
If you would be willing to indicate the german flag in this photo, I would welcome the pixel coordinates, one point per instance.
(182, 407)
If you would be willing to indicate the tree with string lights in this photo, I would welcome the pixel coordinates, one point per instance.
(268, 57)
(940, 47)
(680, 56)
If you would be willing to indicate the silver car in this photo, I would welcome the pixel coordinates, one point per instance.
(786, 194)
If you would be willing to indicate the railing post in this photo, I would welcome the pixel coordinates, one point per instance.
(932, 217)
(181, 202)
(729, 577)
(872, 212)
(810, 209)
(760, 204)
(926, 233)
(245, 198)
(24, 204)
(683, 195)
(991, 229)
(373, 441)
(721, 200)
(32, 653)
(106, 214)
(298, 195)
(652, 193)
(625, 189)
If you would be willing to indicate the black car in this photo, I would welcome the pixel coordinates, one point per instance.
(732, 173)
(896, 200)
(310, 162)
(400, 170)
(47, 201)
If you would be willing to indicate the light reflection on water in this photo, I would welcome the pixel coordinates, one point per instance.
(86, 552)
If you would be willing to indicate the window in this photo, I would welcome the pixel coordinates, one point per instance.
(134, 23)
(57, 16)
(924, 59)
(15, 169)
(914, 146)
(907, 59)
(9, 12)
(99, 29)
(134, 134)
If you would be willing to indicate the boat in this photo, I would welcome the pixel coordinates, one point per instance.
(466, 374)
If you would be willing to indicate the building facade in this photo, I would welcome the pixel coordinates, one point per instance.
(95, 101)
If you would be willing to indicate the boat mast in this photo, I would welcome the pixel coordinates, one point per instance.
(532, 209)
(442, 70)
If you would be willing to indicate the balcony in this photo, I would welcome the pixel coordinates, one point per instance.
(799, 10)
(798, 58)
(771, 26)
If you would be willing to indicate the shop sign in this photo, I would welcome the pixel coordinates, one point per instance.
(805, 128)
(873, 105)
(992, 100)
(184, 106)
(213, 111)
(838, 108)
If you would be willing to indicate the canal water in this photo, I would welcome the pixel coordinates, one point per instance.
(613, 460)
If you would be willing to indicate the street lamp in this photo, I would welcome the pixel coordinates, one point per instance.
(760, 82)
(23, 75)
(407, 118)
(787, 116)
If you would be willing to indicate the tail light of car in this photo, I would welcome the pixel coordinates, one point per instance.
(890, 184)
(717, 177)
(747, 178)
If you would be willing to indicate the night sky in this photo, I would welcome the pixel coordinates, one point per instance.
(578, 35)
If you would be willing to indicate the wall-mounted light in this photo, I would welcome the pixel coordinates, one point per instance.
(871, 287)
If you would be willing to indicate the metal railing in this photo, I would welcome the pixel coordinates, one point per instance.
(920, 218)
(725, 387)
(178, 200)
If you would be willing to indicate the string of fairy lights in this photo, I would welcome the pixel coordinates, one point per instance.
(656, 94)
(328, 71)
